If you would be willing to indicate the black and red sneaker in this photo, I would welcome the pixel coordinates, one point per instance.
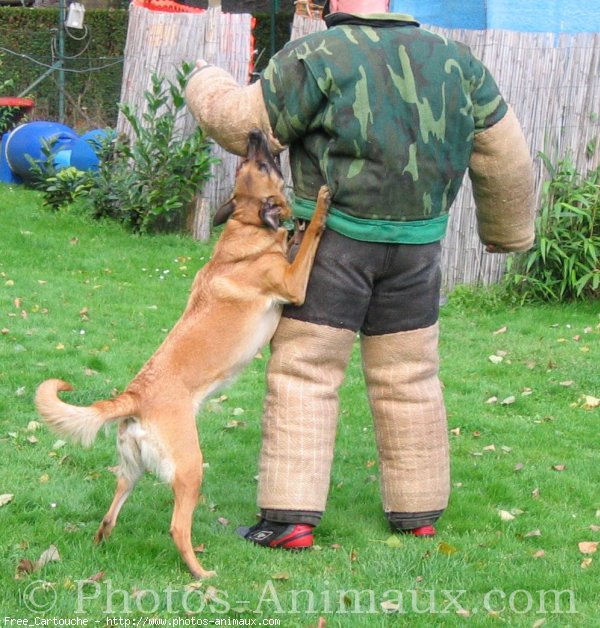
(291, 536)
(427, 531)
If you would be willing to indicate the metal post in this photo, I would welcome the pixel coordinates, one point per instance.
(61, 55)
(274, 9)
(57, 65)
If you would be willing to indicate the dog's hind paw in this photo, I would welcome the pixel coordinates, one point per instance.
(203, 574)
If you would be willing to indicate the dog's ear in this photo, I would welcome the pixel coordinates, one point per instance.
(222, 214)
(269, 213)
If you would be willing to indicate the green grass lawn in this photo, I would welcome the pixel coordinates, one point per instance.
(89, 302)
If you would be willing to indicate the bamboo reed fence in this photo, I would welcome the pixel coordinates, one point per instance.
(553, 83)
(157, 43)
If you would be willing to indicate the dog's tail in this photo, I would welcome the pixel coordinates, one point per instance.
(79, 423)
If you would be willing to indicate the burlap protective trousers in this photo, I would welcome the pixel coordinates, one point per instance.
(390, 294)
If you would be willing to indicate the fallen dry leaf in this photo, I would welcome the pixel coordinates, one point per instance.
(220, 399)
(50, 555)
(590, 402)
(539, 554)
(586, 562)
(492, 400)
(489, 448)
(391, 541)
(233, 424)
(192, 586)
(390, 607)
(211, 594)
(536, 532)
(559, 467)
(6, 499)
(519, 467)
(508, 401)
(27, 566)
(446, 549)
(282, 575)
(505, 515)
(588, 547)
(500, 331)
(495, 359)
(594, 528)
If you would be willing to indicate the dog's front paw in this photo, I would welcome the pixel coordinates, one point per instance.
(323, 204)
(324, 197)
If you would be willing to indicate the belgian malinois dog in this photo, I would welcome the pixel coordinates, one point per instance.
(233, 310)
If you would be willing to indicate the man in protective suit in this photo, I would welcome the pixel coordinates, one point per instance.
(389, 116)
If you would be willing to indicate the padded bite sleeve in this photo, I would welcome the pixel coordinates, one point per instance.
(501, 171)
(227, 111)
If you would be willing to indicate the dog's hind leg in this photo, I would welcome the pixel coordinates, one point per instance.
(187, 479)
(124, 488)
(131, 467)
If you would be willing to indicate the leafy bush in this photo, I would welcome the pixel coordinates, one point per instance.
(150, 182)
(65, 187)
(563, 265)
(59, 188)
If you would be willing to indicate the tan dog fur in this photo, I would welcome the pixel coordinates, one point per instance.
(233, 310)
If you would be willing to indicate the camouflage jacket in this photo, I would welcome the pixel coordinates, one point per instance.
(385, 113)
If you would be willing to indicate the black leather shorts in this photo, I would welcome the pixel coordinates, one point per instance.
(372, 287)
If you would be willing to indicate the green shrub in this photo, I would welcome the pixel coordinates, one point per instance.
(147, 183)
(563, 265)
(65, 187)
(150, 182)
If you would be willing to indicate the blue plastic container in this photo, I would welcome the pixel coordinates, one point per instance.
(28, 140)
